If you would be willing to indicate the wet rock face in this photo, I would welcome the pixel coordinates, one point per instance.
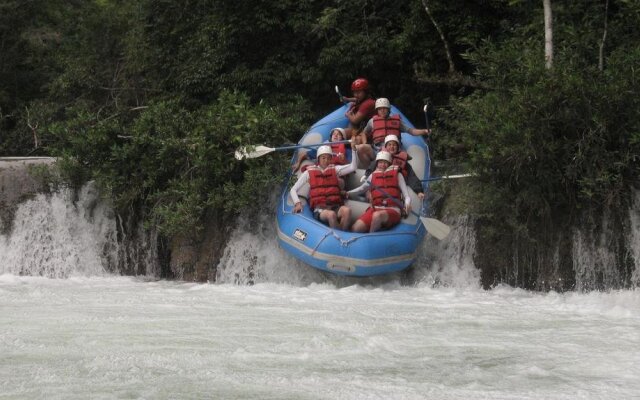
(195, 258)
(20, 179)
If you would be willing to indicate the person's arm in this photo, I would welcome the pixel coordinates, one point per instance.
(405, 192)
(355, 118)
(343, 170)
(369, 127)
(304, 178)
(302, 155)
(371, 168)
(360, 189)
(419, 132)
(366, 108)
(414, 131)
(414, 182)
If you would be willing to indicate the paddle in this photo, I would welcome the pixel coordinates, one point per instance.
(426, 115)
(426, 140)
(340, 96)
(437, 178)
(436, 228)
(259, 151)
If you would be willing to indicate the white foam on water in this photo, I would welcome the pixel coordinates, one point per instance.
(106, 337)
(56, 237)
(65, 234)
(253, 255)
(449, 262)
(594, 258)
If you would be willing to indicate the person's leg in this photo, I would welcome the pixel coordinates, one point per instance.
(393, 218)
(362, 224)
(344, 217)
(330, 218)
(377, 220)
(365, 155)
(359, 227)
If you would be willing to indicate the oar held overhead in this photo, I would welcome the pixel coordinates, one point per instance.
(259, 151)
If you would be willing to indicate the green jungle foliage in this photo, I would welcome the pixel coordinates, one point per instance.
(550, 144)
(151, 98)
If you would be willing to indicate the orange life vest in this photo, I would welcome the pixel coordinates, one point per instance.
(385, 126)
(400, 160)
(386, 180)
(325, 189)
(339, 148)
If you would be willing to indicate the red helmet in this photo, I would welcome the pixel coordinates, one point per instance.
(360, 84)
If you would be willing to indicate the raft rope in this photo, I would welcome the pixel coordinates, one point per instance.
(313, 251)
(343, 243)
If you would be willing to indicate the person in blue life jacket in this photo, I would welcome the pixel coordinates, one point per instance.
(382, 125)
(389, 197)
(326, 199)
(401, 159)
(341, 151)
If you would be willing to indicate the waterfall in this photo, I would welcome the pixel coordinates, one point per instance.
(64, 234)
(253, 255)
(54, 236)
(594, 262)
(633, 238)
(599, 254)
(449, 262)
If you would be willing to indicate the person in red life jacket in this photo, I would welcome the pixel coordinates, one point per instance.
(382, 125)
(326, 200)
(362, 106)
(388, 189)
(400, 158)
(341, 151)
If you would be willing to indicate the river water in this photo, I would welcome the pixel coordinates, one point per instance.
(117, 337)
(271, 328)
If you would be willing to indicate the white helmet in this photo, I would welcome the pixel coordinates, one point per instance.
(383, 155)
(391, 138)
(324, 150)
(383, 102)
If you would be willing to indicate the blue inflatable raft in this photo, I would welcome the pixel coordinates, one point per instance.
(348, 253)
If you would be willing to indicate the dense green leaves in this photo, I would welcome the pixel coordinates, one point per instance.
(555, 149)
(172, 162)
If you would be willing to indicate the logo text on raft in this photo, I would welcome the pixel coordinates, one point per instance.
(300, 235)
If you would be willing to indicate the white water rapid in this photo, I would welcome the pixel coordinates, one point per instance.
(634, 237)
(117, 337)
(56, 237)
(272, 328)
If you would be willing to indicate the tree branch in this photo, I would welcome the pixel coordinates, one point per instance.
(548, 34)
(451, 80)
(452, 68)
(604, 37)
(34, 129)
